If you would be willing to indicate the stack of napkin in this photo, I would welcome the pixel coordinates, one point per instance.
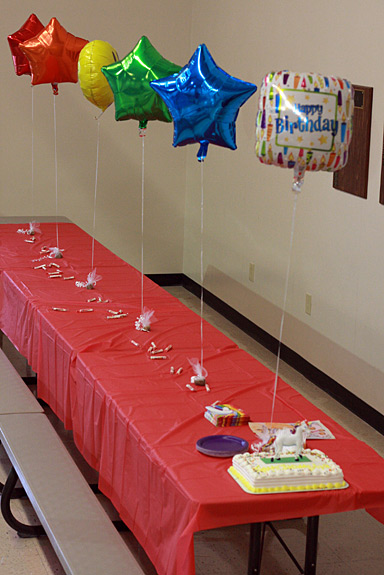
(225, 415)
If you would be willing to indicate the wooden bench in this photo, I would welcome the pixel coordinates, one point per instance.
(80, 531)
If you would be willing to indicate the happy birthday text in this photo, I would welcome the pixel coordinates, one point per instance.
(305, 123)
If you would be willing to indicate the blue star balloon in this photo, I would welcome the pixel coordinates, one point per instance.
(204, 102)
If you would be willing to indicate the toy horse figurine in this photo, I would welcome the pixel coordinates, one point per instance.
(287, 437)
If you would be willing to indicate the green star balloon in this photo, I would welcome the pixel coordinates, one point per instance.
(130, 79)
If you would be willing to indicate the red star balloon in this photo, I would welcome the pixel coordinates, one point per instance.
(53, 55)
(28, 30)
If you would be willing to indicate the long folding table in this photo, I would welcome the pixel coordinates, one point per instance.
(135, 421)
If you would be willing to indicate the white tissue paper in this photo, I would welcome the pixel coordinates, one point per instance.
(34, 228)
(199, 371)
(143, 322)
(92, 279)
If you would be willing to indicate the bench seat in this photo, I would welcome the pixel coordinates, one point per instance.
(79, 529)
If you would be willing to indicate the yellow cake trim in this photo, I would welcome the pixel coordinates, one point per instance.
(244, 483)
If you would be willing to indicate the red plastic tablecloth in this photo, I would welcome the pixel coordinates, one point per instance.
(136, 423)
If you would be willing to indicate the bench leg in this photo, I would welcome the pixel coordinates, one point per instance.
(23, 530)
(17, 493)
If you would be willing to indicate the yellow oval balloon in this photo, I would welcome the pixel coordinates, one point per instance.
(92, 81)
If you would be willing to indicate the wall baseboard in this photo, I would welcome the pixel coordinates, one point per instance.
(167, 279)
(349, 400)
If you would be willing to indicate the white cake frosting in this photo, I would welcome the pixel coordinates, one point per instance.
(259, 473)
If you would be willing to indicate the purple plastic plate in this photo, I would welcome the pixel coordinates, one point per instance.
(221, 445)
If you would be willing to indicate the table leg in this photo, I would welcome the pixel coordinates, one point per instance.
(255, 548)
(311, 545)
(28, 370)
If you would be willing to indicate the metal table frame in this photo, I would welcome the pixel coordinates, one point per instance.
(257, 540)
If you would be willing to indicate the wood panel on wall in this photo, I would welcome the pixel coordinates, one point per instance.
(353, 179)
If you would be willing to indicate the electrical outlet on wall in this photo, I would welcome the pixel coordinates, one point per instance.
(251, 272)
(308, 303)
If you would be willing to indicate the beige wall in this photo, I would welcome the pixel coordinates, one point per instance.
(118, 214)
(337, 254)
